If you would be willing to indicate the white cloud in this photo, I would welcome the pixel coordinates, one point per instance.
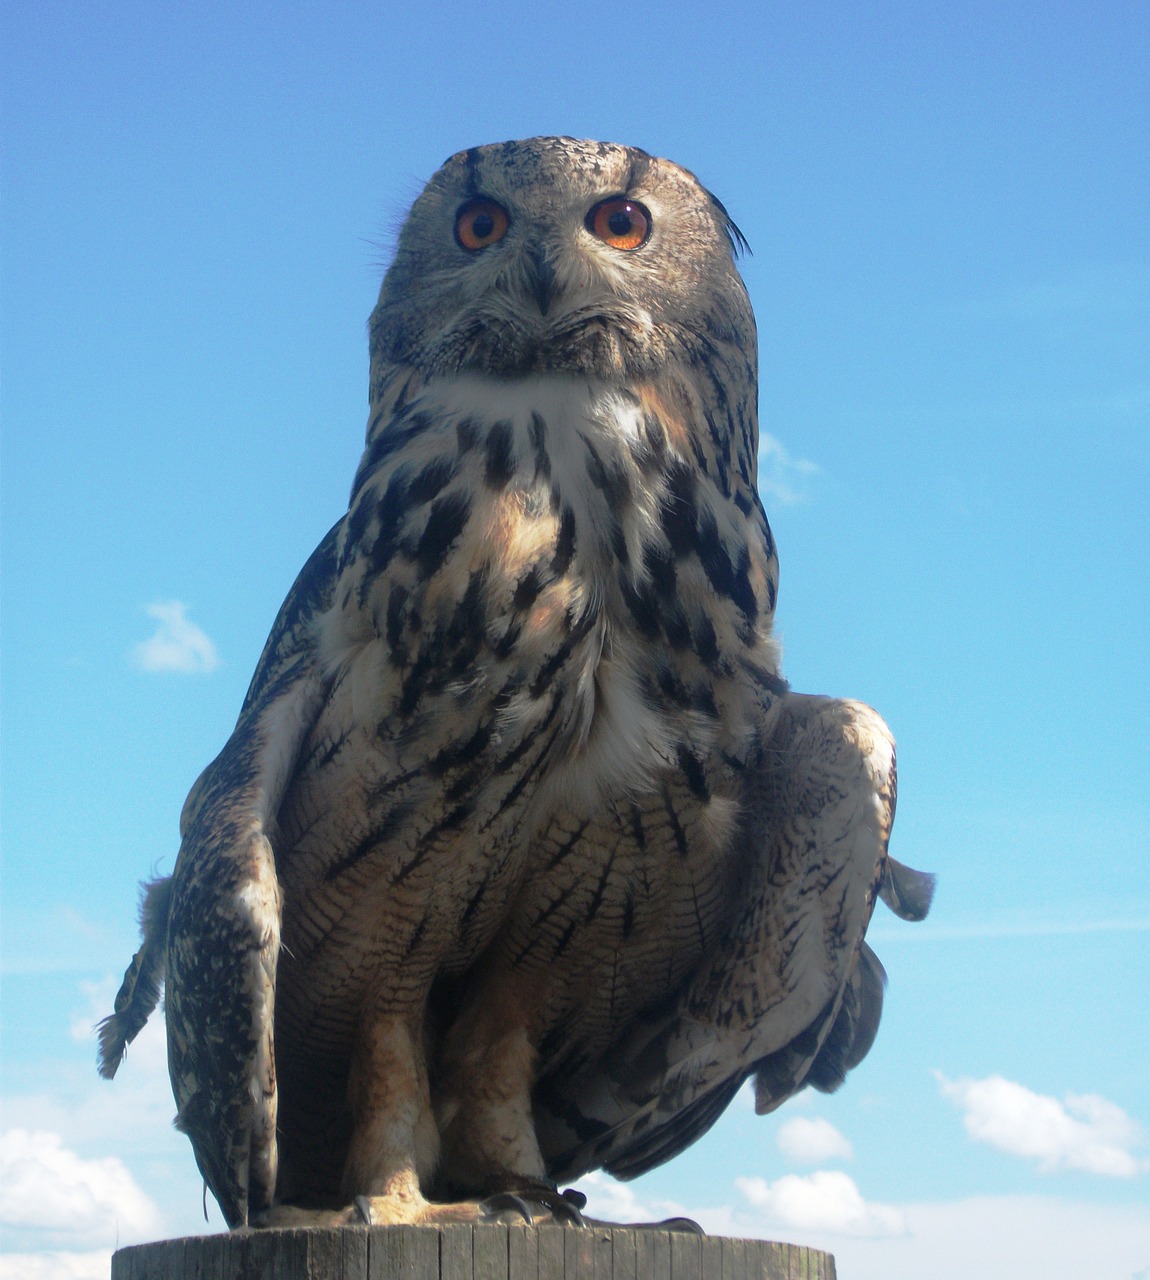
(781, 476)
(1083, 1132)
(129, 1117)
(812, 1140)
(56, 1265)
(1003, 1238)
(823, 1201)
(178, 644)
(131, 1114)
(991, 1237)
(617, 1201)
(49, 1190)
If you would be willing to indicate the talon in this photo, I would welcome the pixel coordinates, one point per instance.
(505, 1202)
(363, 1206)
(680, 1224)
(567, 1211)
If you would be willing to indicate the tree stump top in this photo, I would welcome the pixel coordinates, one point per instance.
(481, 1252)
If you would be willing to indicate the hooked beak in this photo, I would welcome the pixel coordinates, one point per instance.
(542, 280)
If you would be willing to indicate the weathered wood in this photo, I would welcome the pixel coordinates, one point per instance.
(486, 1252)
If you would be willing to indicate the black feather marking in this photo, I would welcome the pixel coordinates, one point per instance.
(611, 480)
(538, 430)
(567, 845)
(706, 641)
(397, 434)
(386, 829)
(449, 516)
(527, 589)
(680, 836)
(564, 544)
(640, 600)
(428, 483)
(462, 753)
(660, 567)
(396, 618)
(677, 512)
(500, 455)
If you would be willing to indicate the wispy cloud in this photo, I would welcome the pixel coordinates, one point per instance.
(812, 1140)
(823, 1201)
(178, 644)
(931, 931)
(782, 477)
(1082, 1132)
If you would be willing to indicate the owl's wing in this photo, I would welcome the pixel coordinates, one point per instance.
(212, 933)
(791, 994)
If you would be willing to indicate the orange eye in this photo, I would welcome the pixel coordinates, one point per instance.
(619, 222)
(480, 223)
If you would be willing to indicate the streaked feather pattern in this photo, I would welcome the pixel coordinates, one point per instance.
(523, 856)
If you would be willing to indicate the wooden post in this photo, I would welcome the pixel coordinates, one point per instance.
(482, 1252)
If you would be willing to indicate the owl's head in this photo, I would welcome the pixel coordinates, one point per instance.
(559, 255)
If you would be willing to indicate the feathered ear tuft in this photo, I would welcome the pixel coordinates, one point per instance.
(140, 991)
(738, 241)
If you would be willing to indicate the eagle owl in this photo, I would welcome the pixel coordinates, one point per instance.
(522, 856)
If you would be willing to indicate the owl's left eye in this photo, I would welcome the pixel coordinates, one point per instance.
(479, 223)
(619, 222)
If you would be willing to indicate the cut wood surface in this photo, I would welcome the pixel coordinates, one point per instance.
(484, 1252)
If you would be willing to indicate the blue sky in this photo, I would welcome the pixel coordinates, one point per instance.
(948, 206)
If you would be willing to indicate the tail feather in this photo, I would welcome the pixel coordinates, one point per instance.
(140, 991)
(906, 891)
(855, 1026)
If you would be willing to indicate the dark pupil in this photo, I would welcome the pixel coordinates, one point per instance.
(620, 222)
(482, 226)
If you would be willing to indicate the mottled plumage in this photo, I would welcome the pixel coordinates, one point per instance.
(522, 856)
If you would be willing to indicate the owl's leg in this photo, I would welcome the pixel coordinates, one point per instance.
(394, 1144)
(395, 1141)
(487, 1071)
(486, 1118)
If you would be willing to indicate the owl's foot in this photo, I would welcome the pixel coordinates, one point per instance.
(540, 1203)
(527, 1202)
(398, 1211)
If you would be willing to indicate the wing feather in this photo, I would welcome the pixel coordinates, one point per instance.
(791, 994)
(216, 940)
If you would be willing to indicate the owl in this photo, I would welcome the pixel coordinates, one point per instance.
(523, 857)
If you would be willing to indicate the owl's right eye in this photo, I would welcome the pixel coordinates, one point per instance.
(479, 223)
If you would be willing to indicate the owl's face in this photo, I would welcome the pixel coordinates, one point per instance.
(554, 254)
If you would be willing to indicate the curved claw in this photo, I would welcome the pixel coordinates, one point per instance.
(505, 1202)
(565, 1210)
(686, 1225)
(363, 1208)
(680, 1224)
